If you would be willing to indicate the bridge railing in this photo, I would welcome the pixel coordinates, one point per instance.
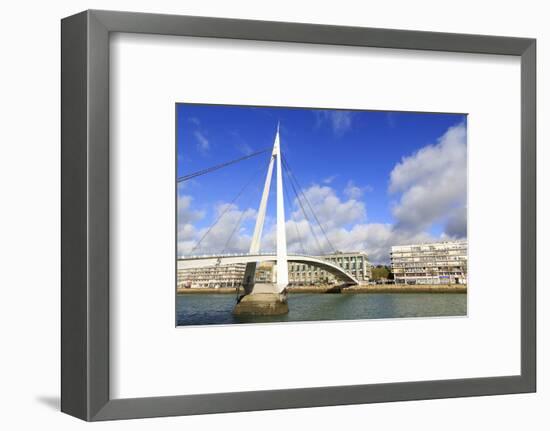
(262, 253)
(271, 254)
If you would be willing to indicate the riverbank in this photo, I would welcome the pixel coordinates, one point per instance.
(407, 288)
(368, 288)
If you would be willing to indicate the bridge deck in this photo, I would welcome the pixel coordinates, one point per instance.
(206, 261)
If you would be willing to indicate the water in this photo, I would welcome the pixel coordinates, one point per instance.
(213, 308)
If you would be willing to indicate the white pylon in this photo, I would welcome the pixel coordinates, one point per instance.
(282, 260)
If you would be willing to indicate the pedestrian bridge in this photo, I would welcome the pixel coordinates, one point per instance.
(193, 262)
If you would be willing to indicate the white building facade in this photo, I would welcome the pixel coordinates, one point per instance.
(434, 263)
(354, 263)
(214, 276)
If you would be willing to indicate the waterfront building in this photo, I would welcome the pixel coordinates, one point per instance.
(265, 272)
(355, 263)
(223, 275)
(434, 263)
(212, 276)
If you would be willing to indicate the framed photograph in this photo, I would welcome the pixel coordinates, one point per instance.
(265, 215)
(410, 256)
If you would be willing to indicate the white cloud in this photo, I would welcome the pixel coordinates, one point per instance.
(456, 225)
(304, 234)
(329, 208)
(244, 148)
(374, 238)
(343, 221)
(298, 237)
(226, 236)
(185, 213)
(203, 144)
(352, 191)
(186, 219)
(330, 179)
(431, 182)
(378, 238)
(355, 192)
(340, 121)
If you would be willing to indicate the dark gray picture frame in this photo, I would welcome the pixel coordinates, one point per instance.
(85, 215)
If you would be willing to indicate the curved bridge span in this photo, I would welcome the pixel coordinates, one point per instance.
(206, 261)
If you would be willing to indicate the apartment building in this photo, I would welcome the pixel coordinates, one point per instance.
(434, 263)
(213, 276)
(355, 263)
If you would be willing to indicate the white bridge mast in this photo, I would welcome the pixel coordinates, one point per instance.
(282, 262)
(282, 259)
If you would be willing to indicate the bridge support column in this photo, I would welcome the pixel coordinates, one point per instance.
(267, 298)
(261, 304)
(260, 299)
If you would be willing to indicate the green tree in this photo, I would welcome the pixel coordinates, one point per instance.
(379, 272)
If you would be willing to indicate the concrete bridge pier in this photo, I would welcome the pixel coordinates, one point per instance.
(268, 299)
(260, 299)
(262, 304)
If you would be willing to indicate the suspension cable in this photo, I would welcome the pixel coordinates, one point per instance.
(299, 198)
(221, 165)
(309, 204)
(240, 219)
(287, 198)
(228, 206)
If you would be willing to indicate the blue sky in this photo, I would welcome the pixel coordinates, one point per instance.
(376, 178)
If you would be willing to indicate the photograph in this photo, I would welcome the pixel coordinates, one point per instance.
(289, 214)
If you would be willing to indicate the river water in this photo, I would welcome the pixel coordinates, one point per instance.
(214, 308)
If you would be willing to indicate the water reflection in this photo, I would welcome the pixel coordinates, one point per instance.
(208, 308)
